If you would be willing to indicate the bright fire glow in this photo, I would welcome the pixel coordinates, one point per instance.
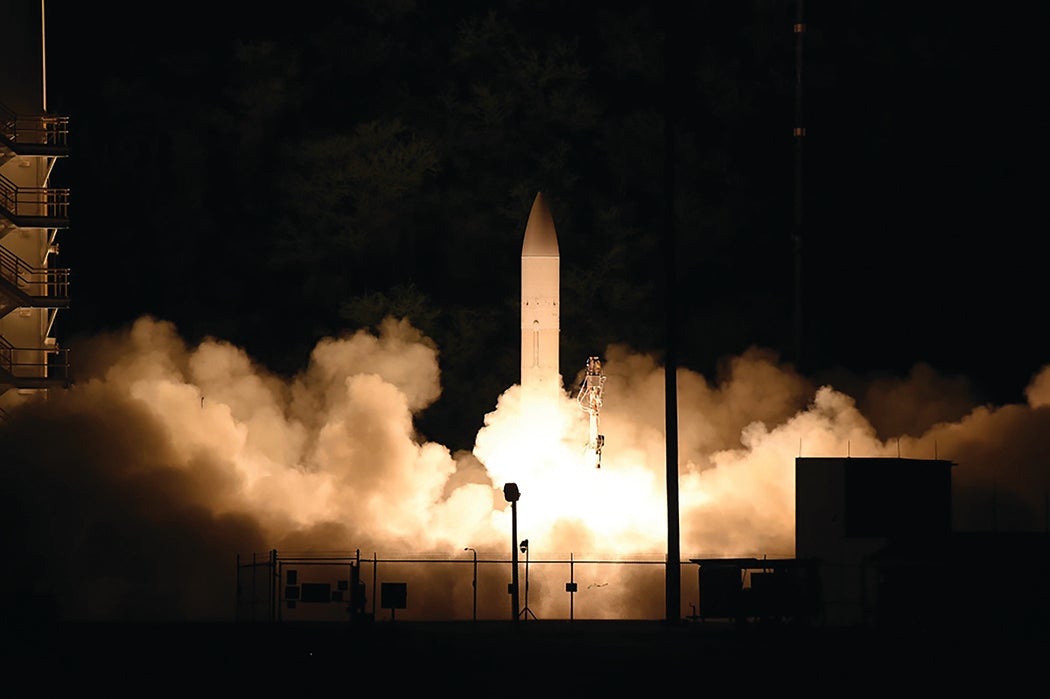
(186, 456)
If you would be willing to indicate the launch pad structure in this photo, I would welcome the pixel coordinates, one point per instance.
(541, 322)
(32, 212)
(590, 397)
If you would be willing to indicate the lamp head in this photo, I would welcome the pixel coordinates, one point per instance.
(510, 492)
(524, 545)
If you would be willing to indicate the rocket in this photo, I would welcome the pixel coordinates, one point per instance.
(540, 299)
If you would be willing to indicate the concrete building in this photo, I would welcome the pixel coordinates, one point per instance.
(33, 141)
(875, 548)
(849, 510)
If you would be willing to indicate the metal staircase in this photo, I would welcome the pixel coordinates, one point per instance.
(22, 285)
(38, 134)
(33, 367)
(31, 214)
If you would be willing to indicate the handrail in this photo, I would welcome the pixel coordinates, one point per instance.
(48, 202)
(54, 282)
(15, 362)
(34, 129)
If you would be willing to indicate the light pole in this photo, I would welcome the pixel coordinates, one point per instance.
(525, 549)
(511, 493)
(474, 582)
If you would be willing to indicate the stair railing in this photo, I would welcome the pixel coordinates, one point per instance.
(42, 129)
(49, 202)
(55, 363)
(52, 281)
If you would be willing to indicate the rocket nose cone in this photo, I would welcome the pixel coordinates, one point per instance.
(541, 240)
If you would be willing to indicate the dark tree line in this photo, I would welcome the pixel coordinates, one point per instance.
(271, 181)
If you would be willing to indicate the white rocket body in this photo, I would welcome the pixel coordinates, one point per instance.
(540, 301)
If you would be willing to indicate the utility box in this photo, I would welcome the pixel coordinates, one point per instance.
(394, 595)
(720, 591)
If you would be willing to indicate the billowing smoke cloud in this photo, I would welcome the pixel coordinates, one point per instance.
(131, 495)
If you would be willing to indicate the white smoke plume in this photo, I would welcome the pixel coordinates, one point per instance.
(131, 495)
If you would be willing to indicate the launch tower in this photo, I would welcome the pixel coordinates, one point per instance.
(32, 142)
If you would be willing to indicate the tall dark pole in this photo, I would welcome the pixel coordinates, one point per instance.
(474, 583)
(514, 556)
(525, 612)
(673, 575)
(275, 581)
(511, 493)
(799, 135)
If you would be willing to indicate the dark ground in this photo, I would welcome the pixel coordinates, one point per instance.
(528, 658)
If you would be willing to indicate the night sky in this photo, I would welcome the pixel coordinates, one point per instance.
(295, 253)
(273, 180)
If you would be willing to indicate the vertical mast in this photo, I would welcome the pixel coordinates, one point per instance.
(799, 135)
